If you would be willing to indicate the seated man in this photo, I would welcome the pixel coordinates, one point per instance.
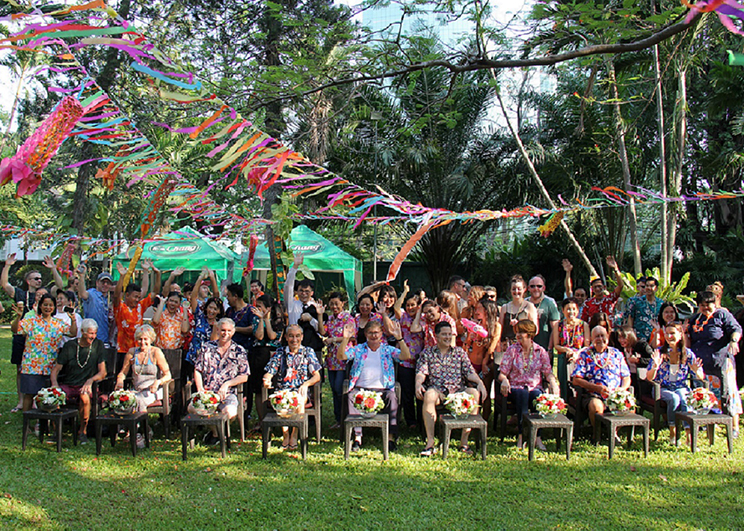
(81, 362)
(600, 369)
(221, 366)
(445, 369)
(298, 369)
(373, 370)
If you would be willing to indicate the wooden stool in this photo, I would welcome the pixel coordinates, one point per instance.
(59, 416)
(220, 419)
(272, 420)
(130, 422)
(380, 420)
(558, 422)
(614, 422)
(710, 421)
(475, 422)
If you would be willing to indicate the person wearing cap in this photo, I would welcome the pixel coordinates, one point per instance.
(599, 301)
(95, 301)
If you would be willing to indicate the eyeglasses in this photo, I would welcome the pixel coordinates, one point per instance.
(35, 278)
(536, 286)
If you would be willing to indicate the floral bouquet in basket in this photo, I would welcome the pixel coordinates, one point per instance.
(621, 401)
(549, 404)
(205, 403)
(702, 400)
(50, 398)
(285, 402)
(368, 402)
(122, 402)
(461, 404)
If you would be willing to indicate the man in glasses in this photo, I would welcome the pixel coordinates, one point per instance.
(547, 312)
(304, 311)
(32, 282)
(600, 301)
(459, 287)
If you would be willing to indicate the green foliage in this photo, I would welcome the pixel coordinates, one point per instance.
(667, 291)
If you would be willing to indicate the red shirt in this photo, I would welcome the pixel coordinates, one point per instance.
(593, 305)
(127, 321)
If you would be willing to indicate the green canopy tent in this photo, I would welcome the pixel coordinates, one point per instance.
(328, 263)
(189, 249)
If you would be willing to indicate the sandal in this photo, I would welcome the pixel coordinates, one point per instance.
(428, 451)
(466, 450)
(15, 409)
(292, 447)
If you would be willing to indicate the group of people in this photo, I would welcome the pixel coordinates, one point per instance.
(458, 341)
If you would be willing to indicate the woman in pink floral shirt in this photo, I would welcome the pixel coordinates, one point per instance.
(523, 368)
(407, 369)
(334, 331)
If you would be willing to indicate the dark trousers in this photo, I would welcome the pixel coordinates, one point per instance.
(391, 408)
(336, 379)
(408, 402)
(523, 398)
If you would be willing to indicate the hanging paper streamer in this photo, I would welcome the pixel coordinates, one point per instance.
(65, 259)
(727, 11)
(398, 260)
(25, 167)
(252, 246)
(551, 225)
(132, 266)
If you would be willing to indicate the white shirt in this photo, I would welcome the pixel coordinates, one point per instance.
(371, 376)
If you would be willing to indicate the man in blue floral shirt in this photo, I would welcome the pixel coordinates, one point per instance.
(600, 369)
(373, 370)
(298, 369)
(643, 311)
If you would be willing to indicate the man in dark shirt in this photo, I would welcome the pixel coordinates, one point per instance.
(80, 363)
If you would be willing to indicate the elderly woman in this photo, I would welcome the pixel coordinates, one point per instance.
(671, 367)
(297, 368)
(714, 337)
(523, 368)
(146, 360)
(44, 334)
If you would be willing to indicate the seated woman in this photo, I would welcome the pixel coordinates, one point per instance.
(298, 369)
(146, 360)
(524, 366)
(671, 367)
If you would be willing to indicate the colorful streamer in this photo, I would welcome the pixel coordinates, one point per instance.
(551, 224)
(726, 10)
(252, 246)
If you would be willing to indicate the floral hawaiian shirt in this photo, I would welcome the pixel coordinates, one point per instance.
(447, 372)
(217, 368)
(525, 374)
(414, 340)
(202, 333)
(335, 328)
(605, 304)
(389, 355)
(644, 315)
(299, 367)
(678, 380)
(127, 321)
(607, 368)
(169, 330)
(43, 340)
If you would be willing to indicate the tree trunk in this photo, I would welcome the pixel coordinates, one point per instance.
(623, 154)
(541, 187)
(89, 150)
(676, 180)
(666, 267)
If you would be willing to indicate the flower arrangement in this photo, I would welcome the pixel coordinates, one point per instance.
(702, 400)
(205, 403)
(461, 404)
(285, 402)
(122, 402)
(621, 401)
(50, 398)
(369, 402)
(549, 404)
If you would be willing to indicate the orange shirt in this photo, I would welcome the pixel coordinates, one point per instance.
(127, 321)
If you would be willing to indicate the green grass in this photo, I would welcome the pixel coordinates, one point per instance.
(671, 489)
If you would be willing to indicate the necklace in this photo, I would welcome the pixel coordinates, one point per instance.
(77, 355)
(697, 326)
(602, 363)
(144, 362)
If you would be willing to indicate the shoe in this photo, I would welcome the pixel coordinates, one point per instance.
(292, 446)
(16, 409)
(520, 442)
(356, 446)
(52, 439)
(735, 434)
(83, 438)
(140, 441)
(392, 446)
(466, 449)
(428, 451)
(540, 446)
(211, 439)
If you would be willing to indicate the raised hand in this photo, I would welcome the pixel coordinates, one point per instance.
(82, 269)
(320, 307)
(10, 259)
(697, 364)
(656, 358)
(567, 265)
(611, 262)
(406, 288)
(147, 265)
(298, 259)
(395, 329)
(120, 268)
(179, 271)
(49, 263)
(349, 330)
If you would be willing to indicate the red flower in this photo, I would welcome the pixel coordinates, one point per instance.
(358, 399)
(466, 404)
(369, 403)
(295, 402)
(213, 400)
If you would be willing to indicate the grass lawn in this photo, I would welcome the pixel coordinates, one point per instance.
(671, 489)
